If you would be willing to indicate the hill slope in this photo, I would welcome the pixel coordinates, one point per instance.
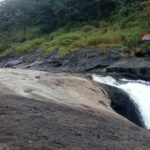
(70, 25)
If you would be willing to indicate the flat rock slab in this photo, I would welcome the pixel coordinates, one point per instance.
(138, 67)
(132, 63)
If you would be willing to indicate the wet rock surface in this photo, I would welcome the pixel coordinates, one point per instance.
(123, 104)
(81, 61)
(84, 60)
(136, 66)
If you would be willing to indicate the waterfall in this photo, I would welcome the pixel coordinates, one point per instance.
(138, 90)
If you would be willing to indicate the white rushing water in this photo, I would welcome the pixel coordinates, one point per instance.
(138, 90)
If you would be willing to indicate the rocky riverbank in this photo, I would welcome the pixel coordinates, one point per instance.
(53, 110)
(84, 60)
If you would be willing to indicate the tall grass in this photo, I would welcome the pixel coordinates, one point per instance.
(79, 37)
(104, 35)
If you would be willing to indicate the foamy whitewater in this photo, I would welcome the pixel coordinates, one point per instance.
(138, 90)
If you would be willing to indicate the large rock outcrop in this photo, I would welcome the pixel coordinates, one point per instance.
(40, 110)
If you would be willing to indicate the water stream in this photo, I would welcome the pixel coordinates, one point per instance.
(138, 90)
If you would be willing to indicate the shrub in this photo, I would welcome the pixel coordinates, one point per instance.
(87, 28)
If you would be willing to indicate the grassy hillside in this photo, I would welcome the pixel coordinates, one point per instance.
(122, 29)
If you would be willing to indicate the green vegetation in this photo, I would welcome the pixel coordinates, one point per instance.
(67, 25)
(86, 36)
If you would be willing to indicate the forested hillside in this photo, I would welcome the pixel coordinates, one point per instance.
(67, 25)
